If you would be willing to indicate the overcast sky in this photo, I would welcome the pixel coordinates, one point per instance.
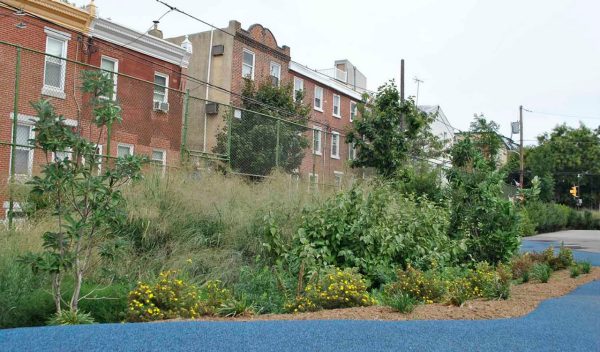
(473, 56)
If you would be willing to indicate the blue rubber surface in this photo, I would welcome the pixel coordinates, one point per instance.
(568, 323)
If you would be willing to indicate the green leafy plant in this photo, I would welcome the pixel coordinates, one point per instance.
(213, 295)
(170, 297)
(574, 271)
(541, 272)
(400, 302)
(69, 317)
(586, 267)
(234, 307)
(86, 202)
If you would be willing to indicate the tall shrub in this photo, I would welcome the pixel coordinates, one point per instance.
(86, 201)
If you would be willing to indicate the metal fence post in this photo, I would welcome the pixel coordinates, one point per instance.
(186, 101)
(277, 147)
(11, 203)
(229, 132)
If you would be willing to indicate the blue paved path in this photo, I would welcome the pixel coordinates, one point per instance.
(569, 323)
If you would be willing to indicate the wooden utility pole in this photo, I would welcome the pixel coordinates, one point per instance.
(402, 80)
(522, 163)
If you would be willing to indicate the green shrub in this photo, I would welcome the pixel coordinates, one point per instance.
(426, 287)
(69, 317)
(526, 226)
(267, 288)
(334, 288)
(586, 267)
(213, 295)
(235, 307)
(168, 298)
(373, 228)
(491, 283)
(520, 266)
(400, 302)
(564, 258)
(575, 271)
(541, 272)
(459, 291)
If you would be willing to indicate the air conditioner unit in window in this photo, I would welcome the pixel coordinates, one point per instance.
(212, 108)
(164, 107)
(218, 50)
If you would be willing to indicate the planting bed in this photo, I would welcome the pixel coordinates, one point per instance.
(524, 299)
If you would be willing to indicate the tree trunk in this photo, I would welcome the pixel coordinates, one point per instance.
(76, 288)
(56, 278)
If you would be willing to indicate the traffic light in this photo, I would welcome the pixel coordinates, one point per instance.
(573, 191)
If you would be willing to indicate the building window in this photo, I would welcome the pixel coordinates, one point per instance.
(248, 64)
(275, 69)
(111, 67)
(298, 89)
(54, 67)
(317, 140)
(336, 105)
(353, 110)
(159, 157)
(161, 83)
(124, 150)
(351, 152)
(338, 178)
(318, 98)
(23, 154)
(335, 145)
(62, 155)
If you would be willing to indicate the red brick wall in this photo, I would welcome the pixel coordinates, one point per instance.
(141, 126)
(262, 43)
(324, 164)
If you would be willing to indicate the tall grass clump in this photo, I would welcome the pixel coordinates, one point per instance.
(207, 226)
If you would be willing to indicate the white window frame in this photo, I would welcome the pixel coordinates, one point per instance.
(166, 77)
(351, 152)
(336, 155)
(318, 108)
(56, 92)
(253, 63)
(30, 156)
(278, 66)
(130, 146)
(69, 153)
(337, 174)
(115, 73)
(339, 106)
(317, 131)
(301, 81)
(353, 108)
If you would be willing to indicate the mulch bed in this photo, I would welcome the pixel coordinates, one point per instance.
(524, 299)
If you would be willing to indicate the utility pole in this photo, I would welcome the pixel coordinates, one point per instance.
(522, 163)
(402, 92)
(402, 80)
(418, 82)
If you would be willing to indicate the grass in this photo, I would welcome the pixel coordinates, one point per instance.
(400, 302)
(206, 228)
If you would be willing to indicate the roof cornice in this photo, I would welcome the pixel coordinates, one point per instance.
(58, 12)
(326, 81)
(144, 43)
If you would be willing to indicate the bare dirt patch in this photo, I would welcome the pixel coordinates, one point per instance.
(524, 299)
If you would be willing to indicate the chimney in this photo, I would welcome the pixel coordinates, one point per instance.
(155, 31)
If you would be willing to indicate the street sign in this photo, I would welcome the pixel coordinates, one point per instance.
(515, 127)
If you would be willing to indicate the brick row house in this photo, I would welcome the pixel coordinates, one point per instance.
(229, 55)
(143, 68)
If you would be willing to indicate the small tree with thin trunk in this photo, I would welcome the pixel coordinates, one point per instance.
(83, 188)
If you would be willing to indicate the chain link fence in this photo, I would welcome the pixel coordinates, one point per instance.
(172, 127)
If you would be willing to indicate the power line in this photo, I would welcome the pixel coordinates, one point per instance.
(173, 8)
(566, 115)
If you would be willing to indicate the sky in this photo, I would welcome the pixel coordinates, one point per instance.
(473, 56)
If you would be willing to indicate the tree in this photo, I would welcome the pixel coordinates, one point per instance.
(565, 157)
(260, 143)
(485, 137)
(480, 215)
(86, 202)
(390, 132)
